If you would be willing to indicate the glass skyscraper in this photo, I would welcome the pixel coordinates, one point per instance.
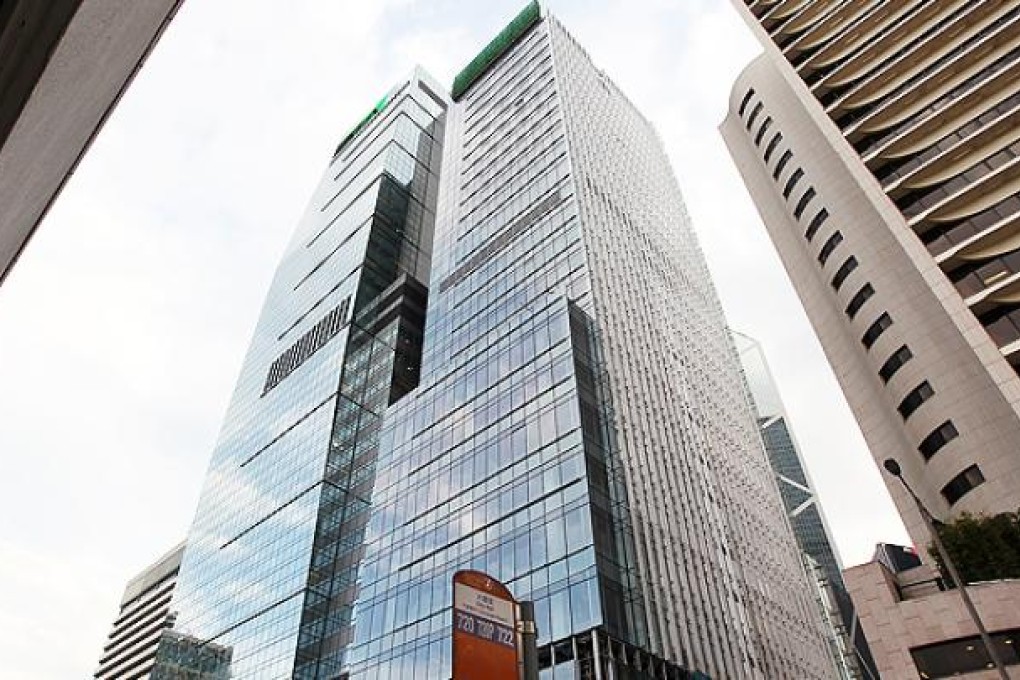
(271, 561)
(850, 649)
(576, 426)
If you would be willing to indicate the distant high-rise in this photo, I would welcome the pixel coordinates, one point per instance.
(579, 430)
(846, 639)
(879, 142)
(130, 649)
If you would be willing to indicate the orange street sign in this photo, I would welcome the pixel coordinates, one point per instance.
(484, 628)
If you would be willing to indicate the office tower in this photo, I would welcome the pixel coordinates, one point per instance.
(578, 428)
(580, 431)
(65, 65)
(130, 649)
(801, 502)
(269, 573)
(878, 141)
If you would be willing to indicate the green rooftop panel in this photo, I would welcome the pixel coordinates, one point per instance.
(528, 17)
(380, 105)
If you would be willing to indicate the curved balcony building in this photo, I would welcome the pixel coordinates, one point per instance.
(880, 142)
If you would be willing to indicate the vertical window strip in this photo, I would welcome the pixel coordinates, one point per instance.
(754, 114)
(962, 484)
(762, 130)
(914, 399)
(939, 437)
(875, 330)
(894, 363)
(844, 271)
(744, 102)
(783, 160)
(771, 148)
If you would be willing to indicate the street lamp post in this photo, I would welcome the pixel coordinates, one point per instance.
(893, 468)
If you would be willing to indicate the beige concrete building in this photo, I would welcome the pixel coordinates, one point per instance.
(916, 629)
(879, 140)
(63, 66)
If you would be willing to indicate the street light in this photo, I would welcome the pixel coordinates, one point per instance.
(893, 468)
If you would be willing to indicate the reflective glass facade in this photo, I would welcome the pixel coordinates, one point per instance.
(581, 430)
(577, 426)
(268, 576)
(498, 461)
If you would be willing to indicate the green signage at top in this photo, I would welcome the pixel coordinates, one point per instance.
(380, 105)
(528, 17)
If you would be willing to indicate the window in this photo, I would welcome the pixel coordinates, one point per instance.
(876, 329)
(962, 483)
(893, 363)
(940, 436)
(913, 401)
(761, 132)
(859, 299)
(956, 657)
(783, 160)
(803, 202)
(844, 271)
(829, 246)
(744, 101)
(816, 223)
(792, 182)
(754, 114)
(772, 146)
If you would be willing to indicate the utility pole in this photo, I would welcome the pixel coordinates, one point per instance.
(529, 640)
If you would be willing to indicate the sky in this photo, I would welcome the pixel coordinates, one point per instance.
(123, 325)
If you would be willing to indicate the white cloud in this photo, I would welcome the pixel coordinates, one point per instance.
(52, 586)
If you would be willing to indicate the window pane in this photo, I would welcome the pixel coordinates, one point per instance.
(962, 484)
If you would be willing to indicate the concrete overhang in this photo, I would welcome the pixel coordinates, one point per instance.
(64, 64)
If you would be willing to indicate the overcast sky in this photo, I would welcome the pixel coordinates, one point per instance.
(123, 326)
